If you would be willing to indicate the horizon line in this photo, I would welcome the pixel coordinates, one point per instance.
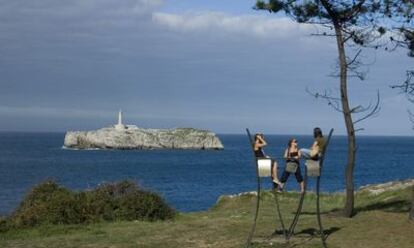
(220, 133)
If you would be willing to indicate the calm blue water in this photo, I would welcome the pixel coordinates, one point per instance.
(189, 180)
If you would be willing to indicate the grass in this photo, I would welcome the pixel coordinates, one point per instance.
(381, 221)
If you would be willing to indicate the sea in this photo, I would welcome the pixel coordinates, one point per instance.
(189, 180)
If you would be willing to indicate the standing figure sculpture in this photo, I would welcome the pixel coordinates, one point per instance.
(292, 156)
(259, 143)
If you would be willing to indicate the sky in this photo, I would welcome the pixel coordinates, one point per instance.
(216, 65)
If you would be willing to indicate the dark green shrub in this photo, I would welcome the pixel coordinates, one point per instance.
(49, 203)
(125, 201)
(145, 206)
(46, 203)
(4, 224)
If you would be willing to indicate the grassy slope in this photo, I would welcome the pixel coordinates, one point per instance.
(382, 221)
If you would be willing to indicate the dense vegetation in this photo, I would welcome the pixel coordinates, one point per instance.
(50, 203)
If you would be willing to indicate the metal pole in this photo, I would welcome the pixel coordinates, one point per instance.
(318, 180)
(285, 234)
(249, 239)
(299, 209)
(318, 211)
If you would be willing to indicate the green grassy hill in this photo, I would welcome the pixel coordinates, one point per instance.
(381, 221)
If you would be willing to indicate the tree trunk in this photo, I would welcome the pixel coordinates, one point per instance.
(349, 171)
(411, 216)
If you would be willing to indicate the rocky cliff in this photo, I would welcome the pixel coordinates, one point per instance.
(139, 138)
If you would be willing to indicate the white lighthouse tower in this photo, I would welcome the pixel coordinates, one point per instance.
(120, 125)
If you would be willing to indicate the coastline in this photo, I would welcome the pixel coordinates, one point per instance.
(372, 189)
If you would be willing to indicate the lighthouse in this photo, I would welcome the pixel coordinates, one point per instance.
(120, 126)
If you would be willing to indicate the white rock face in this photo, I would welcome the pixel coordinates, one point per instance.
(139, 138)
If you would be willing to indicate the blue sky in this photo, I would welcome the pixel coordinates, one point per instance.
(216, 65)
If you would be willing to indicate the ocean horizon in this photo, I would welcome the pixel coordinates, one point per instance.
(190, 180)
(218, 133)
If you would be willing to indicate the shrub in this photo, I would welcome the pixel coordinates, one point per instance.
(46, 203)
(125, 201)
(50, 203)
(4, 225)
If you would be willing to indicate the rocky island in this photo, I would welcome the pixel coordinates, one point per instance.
(122, 136)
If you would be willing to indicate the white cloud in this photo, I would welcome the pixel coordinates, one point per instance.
(39, 13)
(60, 7)
(259, 26)
(35, 29)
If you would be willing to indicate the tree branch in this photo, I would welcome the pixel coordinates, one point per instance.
(334, 102)
(407, 86)
(374, 111)
(354, 58)
(359, 129)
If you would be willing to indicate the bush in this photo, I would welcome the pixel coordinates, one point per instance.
(125, 201)
(50, 203)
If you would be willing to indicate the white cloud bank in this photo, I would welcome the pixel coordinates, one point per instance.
(258, 26)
